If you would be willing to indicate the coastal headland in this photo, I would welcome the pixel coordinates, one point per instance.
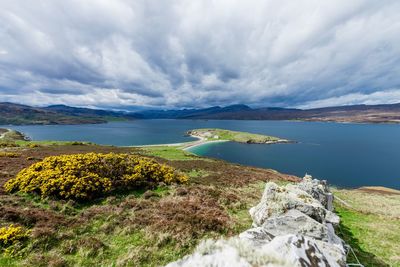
(215, 135)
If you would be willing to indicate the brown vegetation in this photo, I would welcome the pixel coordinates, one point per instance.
(136, 228)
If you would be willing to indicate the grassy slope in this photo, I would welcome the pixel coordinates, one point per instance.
(241, 137)
(7, 135)
(370, 224)
(150, 229)
(169, 152)
(131, 228)
(12, 138)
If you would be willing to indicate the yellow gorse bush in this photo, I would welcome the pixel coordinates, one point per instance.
(10, 154)
(85, 176)
(11, 234)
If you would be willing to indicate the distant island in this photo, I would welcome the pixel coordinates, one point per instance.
(17, 114)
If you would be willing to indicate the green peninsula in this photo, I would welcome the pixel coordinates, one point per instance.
(235, 136)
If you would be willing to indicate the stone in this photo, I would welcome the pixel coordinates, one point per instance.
(304, 251)
(333, 238)
(276, 200)
(293, 226)
(258, 236)
(298, 223)
(234, 252)
(317, 189)
(332, 218)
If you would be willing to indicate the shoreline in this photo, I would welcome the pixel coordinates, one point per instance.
(185, 145)
(203, 141)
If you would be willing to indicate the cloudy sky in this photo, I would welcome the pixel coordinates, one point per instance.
(189, 53)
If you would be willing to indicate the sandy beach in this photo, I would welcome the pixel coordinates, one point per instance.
(187, 145)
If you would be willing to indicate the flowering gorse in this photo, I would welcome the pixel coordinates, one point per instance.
(10, 154)
(9, 235)
(85, 176)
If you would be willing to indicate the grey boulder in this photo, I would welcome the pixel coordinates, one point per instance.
(318, 189)
(276, 200)
(298, 223)
(233, 252)
(304, 251)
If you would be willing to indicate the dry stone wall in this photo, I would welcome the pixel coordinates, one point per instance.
(293, 225)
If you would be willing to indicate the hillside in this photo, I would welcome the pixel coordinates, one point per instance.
(137, 227)
(17, 114)
(356, 113)
(370, 222)
(60, 114)
(159, 223)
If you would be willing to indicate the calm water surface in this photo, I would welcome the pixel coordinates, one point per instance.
(347, 155)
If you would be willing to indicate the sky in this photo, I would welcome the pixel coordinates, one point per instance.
(199, 53)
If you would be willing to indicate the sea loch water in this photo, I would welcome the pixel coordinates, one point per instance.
(347, 155)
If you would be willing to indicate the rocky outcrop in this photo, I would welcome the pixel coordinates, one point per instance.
(293, 225)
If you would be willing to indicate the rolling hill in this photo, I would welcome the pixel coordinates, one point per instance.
(17, 114)
(356, 113)
(11, 113)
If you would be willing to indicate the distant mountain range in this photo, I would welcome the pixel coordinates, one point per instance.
(17, 114)
(356, 113)
(60, 114)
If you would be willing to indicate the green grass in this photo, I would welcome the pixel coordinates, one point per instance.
(370, 202)
(92, 243)
(17, 139)
(169, 152)
(123, 247)
(194, 173)
(241, 137)
(371, 226)
(133, 228)
(372, 233)
(101, 240)
(49, 143)
(7, 261)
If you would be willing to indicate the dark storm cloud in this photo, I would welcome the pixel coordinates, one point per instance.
(198, 53)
